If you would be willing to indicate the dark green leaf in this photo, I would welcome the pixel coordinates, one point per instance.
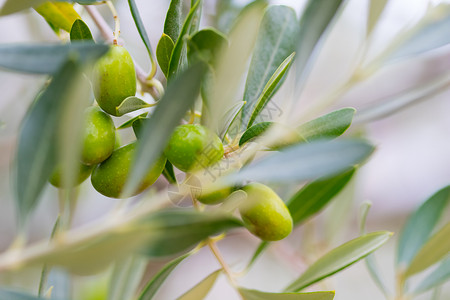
(270, 89)
(140, 27)
(316, 195)
(155, 283)
(169, 174)
(340, 258)
(205, 45)
(328, 126)
(258, 295)
(376, 7)
(276, 41)
(181, 93)
(173, 23)
(436, 278)
(306, 161)
(178, 60)
(201, 290)
(80, 31)
(130, 122)
(253, 132)
(164, 52)
(131, 104)
(420, 225)
(46, 58)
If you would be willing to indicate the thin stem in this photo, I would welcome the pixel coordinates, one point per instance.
(213, 247)
(45, 268)
(116, 21)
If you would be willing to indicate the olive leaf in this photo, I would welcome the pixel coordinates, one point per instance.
(131, 104)
(420, 226)
(155, 283)
(141, 28)
(173, 23)
(437, 277)
(229, 117)
(258, 295)
(46, 58)
(340, 258)
(254, 131)
(130, 122)
(376, 8)
(14, 6)
(201, 290)
(275, 42)
(169, 174)
(125, 277)
(164, 52)
(58, 15)
(15, 295)
(205, 45)
(80, 31)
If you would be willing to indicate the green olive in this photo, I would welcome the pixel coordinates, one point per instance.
(109, 177)
(193, 147)
(214, 197)
(265, 214)
(56, 177)
(114, 79)
(99, 136)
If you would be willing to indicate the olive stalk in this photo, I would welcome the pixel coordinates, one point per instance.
(116, 21)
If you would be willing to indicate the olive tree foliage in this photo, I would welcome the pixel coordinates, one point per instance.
(195, 83)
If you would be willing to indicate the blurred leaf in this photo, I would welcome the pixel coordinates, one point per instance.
(254, 131)
(262, 246)
(328, 126)
(58, 15)
(125, 277)
(420, 225)
(439, 276)
(164, 52)
(180, 94)
(169, 173)
(205, 45)
(155, 283)
(340, 258)
(80, 31)
(316, 18)
(12, 295)
(129, 123)
(316, 195)
(140, 27)
(195, 24)
(306, 161)
(131, 104)
(14, 6)
(436, 248)
(178, 60)
(61, 281)
(46, 58)
(201, 290)
(276, 41)
(270, 89)
(173, 22)
(396, 103)
(37, 142)
(258, 295)
(229, 117)
(432, 32)
(376, 7)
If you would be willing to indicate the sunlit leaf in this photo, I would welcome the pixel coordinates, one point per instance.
(14, 6)
(131, 104)
(80, 31)
(340, 258)
(376, 7)
(440, 275)
(164, 52)
(258, 295)
(420, 226)
(46, 58)
(275, 43)
(201, 290)
(58, 15)
(173, 22)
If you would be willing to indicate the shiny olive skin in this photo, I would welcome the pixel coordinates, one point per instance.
(114, 79)
(265, 214)
(109, 177)
(215, 197)
(56, 176)
(99, 136)
(193, 147)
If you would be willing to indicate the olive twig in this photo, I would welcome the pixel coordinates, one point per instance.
(116, 21)
(213, 247)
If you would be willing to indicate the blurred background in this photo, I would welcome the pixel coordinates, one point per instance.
(411, 161)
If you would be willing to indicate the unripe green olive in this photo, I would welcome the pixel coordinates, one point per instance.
(110, 177)
(114, 79)
(265, 214)
(56, 177)
(214, 197)
(193, 147)
(99, 136)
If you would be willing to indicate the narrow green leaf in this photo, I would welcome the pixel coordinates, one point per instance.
(46, 58)
(258, 295)
(131, 104)
(306, 161)
(181, 93)
(262, 246)
(340, 258)
(270, 89)
(376, 7)
(316, 18)
(58, 15)
(140, 27)
(125, 277)
(80, 31)
(229, 117)
(254, 131)
(164, 52)
(437, 247)
(316, 195)
(276, 41)
(169, 174)
(420, 225)
(205, 45)
(155, 283)
(328, 126)
(130, 122)
(201, 290)
(436, 278)
(178, 60)
(173, 23)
